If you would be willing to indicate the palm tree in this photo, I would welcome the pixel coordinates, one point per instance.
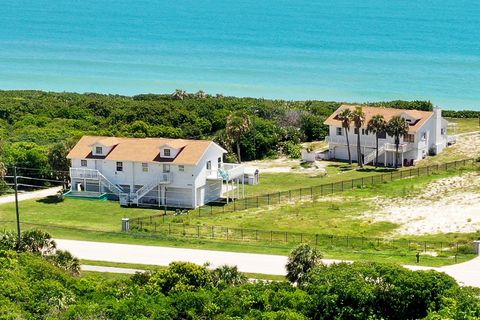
(228, 276)
(179, 94)
(300, 261)
(376, 125)
(397, 127)
(238, 123)
(66, 261)
(37, 241)
(358, 118)
(344, 116)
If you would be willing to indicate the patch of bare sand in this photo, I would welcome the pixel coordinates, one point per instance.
(447, 205)
(284, 164)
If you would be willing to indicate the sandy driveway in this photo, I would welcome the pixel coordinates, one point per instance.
(30, 195)
(466, 273)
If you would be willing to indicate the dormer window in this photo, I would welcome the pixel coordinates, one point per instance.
(166, 152)
(98, 150)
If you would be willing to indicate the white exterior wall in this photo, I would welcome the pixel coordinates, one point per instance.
(188, 188)
(428, 137)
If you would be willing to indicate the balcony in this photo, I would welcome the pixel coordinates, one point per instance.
(341, 140)
(83, 173)
(227, 172)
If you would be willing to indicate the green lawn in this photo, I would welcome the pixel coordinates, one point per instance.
(463, 125)
(101, 221)
(336, 171)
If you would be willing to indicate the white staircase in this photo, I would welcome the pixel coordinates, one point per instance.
(93, 174)
(372, 155)
(164, 178)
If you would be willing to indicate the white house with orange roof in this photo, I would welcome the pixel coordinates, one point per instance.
(427, 134)
(153, 171)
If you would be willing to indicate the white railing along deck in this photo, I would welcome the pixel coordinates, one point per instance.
(353, 142)
(226, 172)
(84, 173)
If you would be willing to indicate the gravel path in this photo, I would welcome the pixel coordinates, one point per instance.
(466, 273)
(30, 195)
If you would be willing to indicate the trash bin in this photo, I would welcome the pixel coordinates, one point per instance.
(476, 246)
(125, 224)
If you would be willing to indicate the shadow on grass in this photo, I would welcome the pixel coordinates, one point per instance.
(51, 199)
(379, 170)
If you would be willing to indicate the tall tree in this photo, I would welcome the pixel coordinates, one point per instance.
(358, 118)
(345, 117)
(397, 127)
(238, 123)
(376, 125)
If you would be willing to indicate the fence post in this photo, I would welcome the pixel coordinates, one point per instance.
(268, 199)
(227, 233)
(311, 193)
(362, 182)
(256, 235)
(286, 236)
(300, 193)
(241, 233)
(279, 197)
(289, 195)
(198, 231)
(213, 233)
(169, 228)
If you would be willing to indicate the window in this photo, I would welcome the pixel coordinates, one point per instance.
(424, 136)
(166, 168)
(166, 152)
(442, 131)
(83, 163)
(181, 167)
(119, 166)
(145, 167)
(364, 132)
(339, 131)
(219, 162)
(98, 150)
(355, 131)
(209, 165)
(382, 135)
(409, 138)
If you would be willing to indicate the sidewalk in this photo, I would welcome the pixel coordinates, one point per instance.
(30, 195)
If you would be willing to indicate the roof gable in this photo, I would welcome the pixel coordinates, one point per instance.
(418, 118)
(143, 149)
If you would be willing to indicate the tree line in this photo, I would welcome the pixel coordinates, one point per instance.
(38, 128)
(38, 285)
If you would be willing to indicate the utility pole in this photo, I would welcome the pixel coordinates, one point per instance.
(19, 234)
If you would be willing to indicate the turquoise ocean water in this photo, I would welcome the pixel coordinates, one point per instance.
(346, 50)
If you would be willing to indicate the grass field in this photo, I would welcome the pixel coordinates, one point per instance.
(101, 221)
(463, 125)
(335, 171)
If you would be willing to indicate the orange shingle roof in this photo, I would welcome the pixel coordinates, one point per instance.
(141, 149)
(387, 113)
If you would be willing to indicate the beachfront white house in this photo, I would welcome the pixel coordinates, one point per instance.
(427, 134)
(153, 171)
